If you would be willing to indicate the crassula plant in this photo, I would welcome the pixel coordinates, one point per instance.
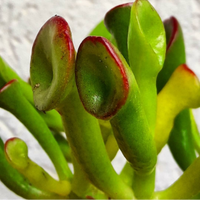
(127, 88)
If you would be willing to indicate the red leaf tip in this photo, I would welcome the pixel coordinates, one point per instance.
(186, 68)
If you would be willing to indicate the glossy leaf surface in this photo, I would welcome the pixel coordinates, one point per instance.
(146, 49)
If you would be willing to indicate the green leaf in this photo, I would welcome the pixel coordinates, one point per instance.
(146, 47)
(175, 52)
(117, 22)
(52, 64)
(181, 140)
(100, 30)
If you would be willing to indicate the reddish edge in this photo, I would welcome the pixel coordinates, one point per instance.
(174, 31)
(59, 22)
(186, 68)
(120, 6)
(89, 197)
(7, 85)
(6, 143)
(118, 62)
(70, 53)
(62, 31)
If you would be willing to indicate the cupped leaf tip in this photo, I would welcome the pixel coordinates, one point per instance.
(16, 152)
(52, 63)
(101, 77)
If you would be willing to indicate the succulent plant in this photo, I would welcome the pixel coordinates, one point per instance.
(127, 88)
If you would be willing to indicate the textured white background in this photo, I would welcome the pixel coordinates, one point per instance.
(20, 20)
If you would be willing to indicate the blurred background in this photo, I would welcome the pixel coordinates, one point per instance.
(21, 20)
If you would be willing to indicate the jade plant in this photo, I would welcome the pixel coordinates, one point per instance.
(126, 88)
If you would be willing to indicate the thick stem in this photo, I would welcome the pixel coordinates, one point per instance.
(18, 183)
(21, 108)
(64, 146)
(133, 135)
(137, 144)
(16, 152)
(111, 146)
(186, 186)
(143, 186)
(167, 109)
(52, 118)
(85, 138)
(81, 185)
(127, 174)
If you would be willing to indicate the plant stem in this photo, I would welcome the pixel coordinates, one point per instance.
(18, 183)
(143, 186)
(16, 152)
(51, 118)
(21, 108)
(186, 186)
(84, 136)
(81, 185)
(127, 174)
(111, 146)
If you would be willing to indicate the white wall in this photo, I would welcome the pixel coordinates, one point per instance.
(19, 23)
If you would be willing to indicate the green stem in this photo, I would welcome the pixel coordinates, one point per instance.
(21, 108)
(111, 146)
(186, 187)
(18, 183)
(109, 139)
(139, 149)
(16, 152)
(64, 145)
(127, 174)
(81, 185)
(106, 129)
(52, 118)
(85, 139)
(143, 186)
